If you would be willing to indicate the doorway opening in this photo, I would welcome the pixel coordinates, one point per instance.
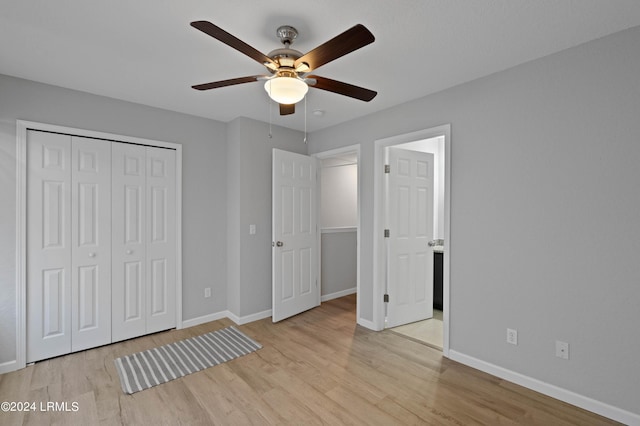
(429, 330)
(339, 223)
(397, 288)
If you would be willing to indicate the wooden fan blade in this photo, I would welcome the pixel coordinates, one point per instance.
(287, 109)
(350, 40)
(224, 83)
(232, 41)
(341, 88)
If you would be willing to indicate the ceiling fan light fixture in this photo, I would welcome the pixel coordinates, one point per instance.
(286, 90)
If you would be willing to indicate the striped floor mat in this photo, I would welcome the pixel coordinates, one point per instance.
(146, 369)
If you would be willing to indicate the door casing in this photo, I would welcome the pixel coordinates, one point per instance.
(379, 272)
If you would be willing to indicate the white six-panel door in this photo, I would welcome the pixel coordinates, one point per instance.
(48, 245)
(129, 271)
(161, 239)
(295, 260)
(410, 224)
(90, 243)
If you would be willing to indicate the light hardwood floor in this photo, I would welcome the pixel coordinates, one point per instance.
(316, 368)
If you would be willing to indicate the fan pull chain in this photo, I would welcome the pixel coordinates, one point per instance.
(305, 119)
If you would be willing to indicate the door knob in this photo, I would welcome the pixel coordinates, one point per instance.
(129, 251)
(92, 255)
(438, 242)
(279, 244)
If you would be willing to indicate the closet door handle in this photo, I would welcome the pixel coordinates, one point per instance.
(129, 251)
(92, 255)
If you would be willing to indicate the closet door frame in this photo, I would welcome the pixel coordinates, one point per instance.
(22, 128)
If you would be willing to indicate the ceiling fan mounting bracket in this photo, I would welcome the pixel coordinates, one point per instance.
(287, 34)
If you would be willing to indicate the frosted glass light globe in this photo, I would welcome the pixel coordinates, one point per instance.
(286, 90)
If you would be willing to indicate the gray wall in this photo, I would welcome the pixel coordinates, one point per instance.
(234, 133)
(249, 165)
(338, 209)
(545, 224)
(339, 188)
(204, 183)
(339, 262)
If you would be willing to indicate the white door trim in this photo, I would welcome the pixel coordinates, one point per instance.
(22, 127)
(379, 272)
(332, 153)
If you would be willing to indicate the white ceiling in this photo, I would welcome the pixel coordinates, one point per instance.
(145, 51)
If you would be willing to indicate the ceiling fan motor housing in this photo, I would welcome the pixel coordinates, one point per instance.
(285, 57)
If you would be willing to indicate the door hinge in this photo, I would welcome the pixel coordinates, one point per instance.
(386, 298)
(387, 233)
(387, 168)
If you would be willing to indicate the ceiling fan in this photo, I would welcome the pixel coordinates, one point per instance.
(289, 81)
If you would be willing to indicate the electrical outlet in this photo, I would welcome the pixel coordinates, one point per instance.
(512, 336)
(252, 229)
(207, 292)
(562, 349)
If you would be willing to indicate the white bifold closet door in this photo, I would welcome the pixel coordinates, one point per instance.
(68, 244)
(101, 242)
(144, 240)
(90, 243)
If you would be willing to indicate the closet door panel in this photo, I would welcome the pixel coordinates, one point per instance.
(91, 243)
(48, 245)
(161, 239)
(129, 272)
(133, 292)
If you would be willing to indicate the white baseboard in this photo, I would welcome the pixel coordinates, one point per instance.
(561, 394)
(205, 318)
(337, 294)
(9, 366)
(227, 314)
(249, 318)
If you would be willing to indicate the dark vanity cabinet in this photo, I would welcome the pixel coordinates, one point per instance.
(437, 280)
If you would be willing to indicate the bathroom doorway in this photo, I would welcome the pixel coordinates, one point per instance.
(401, 286)
(430, 329)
